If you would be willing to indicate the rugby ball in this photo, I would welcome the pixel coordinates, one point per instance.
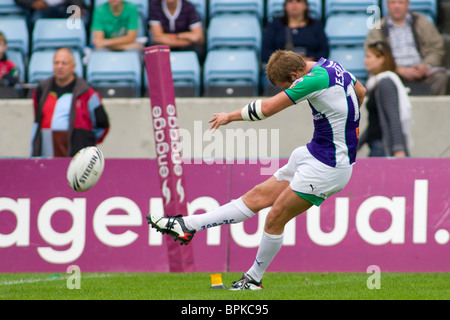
(85, 169)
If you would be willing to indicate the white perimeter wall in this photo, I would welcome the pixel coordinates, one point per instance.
(131, 133)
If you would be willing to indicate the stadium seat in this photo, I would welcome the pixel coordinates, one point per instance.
(352, 59)
(16, 32)
(9, 7)
(347, 29)
(339, 6)
(231, 73)
(115, 74)
(240, 30)
(276, 8)
(255, 7)
(185, 72)
(41, 65)
(200, 6)
(55, 33)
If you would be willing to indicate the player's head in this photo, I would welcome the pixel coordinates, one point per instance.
(284, 67)
(379, 58)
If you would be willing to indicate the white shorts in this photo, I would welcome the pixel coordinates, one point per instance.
(312, 179)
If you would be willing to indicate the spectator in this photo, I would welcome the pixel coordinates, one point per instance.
(115, 26)
(9, 74)
(177, 24)
(54, 9)
(296, 31)
(389, 108)
(68, 113)
(417, 46)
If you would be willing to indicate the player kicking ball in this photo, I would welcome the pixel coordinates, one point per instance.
(313, 173)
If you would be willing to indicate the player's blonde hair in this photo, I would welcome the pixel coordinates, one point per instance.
(280, 65)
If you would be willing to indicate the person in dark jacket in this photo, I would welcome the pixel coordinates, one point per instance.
(389, 108)
(69, 114)
(296, 31)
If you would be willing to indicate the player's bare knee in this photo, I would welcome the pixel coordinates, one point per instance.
(274, 223)
(256, 199)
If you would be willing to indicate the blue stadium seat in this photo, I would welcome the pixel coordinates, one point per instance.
(255, 7)
(231, 73)
(234, 31)
(115, 73)
(55, 33)
(200, 6)
(186, 72)
(352, 59)
(41, 65)
(9, 7)
(347, 29)
(338, 6)
(16, 32)
(276, 8)
(426, 7)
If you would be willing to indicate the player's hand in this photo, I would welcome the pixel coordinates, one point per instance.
(219, 119)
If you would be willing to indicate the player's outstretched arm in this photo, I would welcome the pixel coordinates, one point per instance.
(254, 111)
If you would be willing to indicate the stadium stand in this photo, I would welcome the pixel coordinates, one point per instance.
(201, 7)
(115, 73)
(352, 59)
(255, 7)
(16, 32)
(345, 23)
(240, 30)
(41, 65)
(347, 6)
(186, 74)
(231, 73)
(55, 33)
(9, 7)
(346, 29)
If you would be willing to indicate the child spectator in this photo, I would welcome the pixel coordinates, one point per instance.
(9, 74)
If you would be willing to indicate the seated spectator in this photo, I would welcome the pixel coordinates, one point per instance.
(69, 114)
(389, 107)
(417, 46)
(54, 9)
(177, 24)
(296, 31)
(115, 26)
(9, 74)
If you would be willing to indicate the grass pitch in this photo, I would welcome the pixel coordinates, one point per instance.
(196, 286)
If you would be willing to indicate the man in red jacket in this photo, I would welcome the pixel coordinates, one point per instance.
(69, 114)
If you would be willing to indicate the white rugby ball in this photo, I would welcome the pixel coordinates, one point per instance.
(85, 169)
